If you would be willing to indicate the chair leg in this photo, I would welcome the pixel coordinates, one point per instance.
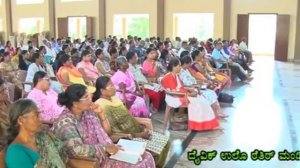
(167, 118)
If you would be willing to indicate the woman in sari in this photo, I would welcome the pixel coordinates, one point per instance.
(29, 147)
(200, 114)
(7, 65)
(5, 104)
(68, 74)
(151, 66)
(81, 131)
(211, 83)
(39, 65)
(127, 89)
(102, 64)
(86, 68)
(15, 58)
(203, 66)
(122, 124)
(153, 90)
(189, 81)
(112, 62)
(10, 48)
(24, 60)
(45, 97)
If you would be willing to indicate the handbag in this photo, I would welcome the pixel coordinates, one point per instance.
(178, 120)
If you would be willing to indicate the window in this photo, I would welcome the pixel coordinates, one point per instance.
(199, 25)
(31, 25)
(26, 2)
(131, 24)
(77, 27)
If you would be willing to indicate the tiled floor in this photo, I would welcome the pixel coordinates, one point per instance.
(264, 116)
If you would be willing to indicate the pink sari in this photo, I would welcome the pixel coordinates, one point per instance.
(95, 134)
(137, 106)
(150, 69)
(89, 69)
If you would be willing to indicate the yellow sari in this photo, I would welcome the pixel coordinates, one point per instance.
(74, 77)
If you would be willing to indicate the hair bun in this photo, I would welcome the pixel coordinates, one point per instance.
(62, 98)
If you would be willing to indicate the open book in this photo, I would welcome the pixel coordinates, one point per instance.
(133, 151)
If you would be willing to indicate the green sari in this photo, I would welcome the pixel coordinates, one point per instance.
(49, 155)
(121, 121)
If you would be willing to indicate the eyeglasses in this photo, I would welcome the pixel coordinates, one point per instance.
(46, 78)
(85, 98)
(35, 114)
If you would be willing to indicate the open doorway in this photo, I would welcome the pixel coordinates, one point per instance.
(262, 34)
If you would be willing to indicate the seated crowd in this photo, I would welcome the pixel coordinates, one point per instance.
(66, 99)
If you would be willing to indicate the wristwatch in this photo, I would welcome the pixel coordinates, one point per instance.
(104, 149)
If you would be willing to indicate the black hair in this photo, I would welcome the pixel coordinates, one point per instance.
(98, 52)
(73, 94)
(35, 56)
(8, 42)
(5, 54)
(37, 76)
(152, 45)
(23, 52)
(159, 44)
(84, 53)
(2, 81)
(186, 60)
(30, 48)
(65, 46)
(130, 55)
(74, 50)
(113, 51)
(63, 58)
(99, 42)
(195, 53)
(88, 47)
(163, 55)
(149, 50)
(184, 53)
(41, 48)
(131, 41)
(22, 64)
(173, 63)
(184, 43)
(18, 109)
(68, 41)
(201, 49)
(166, 43)
(122, 49)
(101, 83)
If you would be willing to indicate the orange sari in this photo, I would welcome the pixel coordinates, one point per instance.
(74, 77)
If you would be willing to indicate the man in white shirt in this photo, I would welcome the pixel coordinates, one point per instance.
(184, 47)
(244, 48)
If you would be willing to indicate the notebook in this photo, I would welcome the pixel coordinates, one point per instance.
(133, 151)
